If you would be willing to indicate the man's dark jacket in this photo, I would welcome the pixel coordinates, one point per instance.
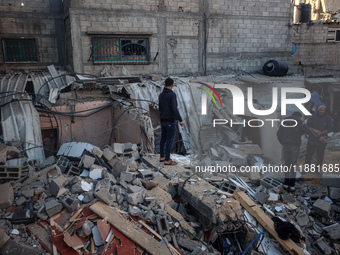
(321, 123)
(291, 135)
(167, 101)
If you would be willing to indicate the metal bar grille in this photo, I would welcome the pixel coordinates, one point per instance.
(120, 49)
(20, 50)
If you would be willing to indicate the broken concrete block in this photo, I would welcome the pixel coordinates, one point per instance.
(135, 155)
(96, 172)
(288, 198)
(323, 246)
(105, 192)
(57, 184)
(150, 215)
(53, 207)
(237, 157)
(333, 192)
(135, 198)
(63, 163)
(331, 179)
(322, 208)
(134, 211)
(128, 176)
(270, 183)
(146, 174)
(86, 161)
(51, 160)
(96, 151)
(7, 195)
(130, 147)
(12, 151)
(261, 194)
(41, 213)
(70, 204)
(333, 231)
(132, 165)
(20, 201)
(3, 237)
(118, 148)
(73, 170)
(135, 189)
(118, 168)
(302, 220)
(86, 229)
(188, 244)
(3, 153)
(108, 153)
(28, 193)
(249, 149)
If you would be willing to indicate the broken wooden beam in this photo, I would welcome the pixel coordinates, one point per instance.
(266, 222)
(133, 232)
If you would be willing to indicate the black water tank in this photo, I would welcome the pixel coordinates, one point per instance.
(304, 13)
(274, 68)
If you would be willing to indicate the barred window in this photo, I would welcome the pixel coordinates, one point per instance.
(123, 50)
(20, 50)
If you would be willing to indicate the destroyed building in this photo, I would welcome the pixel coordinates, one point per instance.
(79, 169)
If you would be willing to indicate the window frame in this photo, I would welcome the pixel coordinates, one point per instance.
(10, 58)
(117, 41)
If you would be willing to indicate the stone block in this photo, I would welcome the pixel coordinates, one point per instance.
(135, 198)
(56, 185)
(97, 152)
(130, 147)
(118, 148)
(86, 161)
(105, 192)
(322, 208)
(237, 157)
(331, 179)
(73, 170)
(333, 192)
(118, 168)
(96, 172)
(7, 195)
(333, 231)
(28, 193)
(53, 207)
(249, 149)
(146, 174)
(128, 176)
(108, 153)
(156, 77)
(261, 194)
(86, 229)
(50, 161)
(134, 211)
(132, 164)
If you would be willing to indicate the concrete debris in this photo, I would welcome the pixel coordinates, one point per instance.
(7, 195)
(322, 208)
(261, 194)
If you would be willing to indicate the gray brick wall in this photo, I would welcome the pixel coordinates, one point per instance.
(314, 55)
(34, 19)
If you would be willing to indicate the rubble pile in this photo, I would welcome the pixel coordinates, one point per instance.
(87, 200)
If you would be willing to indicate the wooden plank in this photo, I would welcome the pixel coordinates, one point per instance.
(133, 232)
(266, 222)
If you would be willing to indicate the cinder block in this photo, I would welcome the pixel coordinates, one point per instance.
(86, 161)
(7, 195)
(70, 203)
(53, 207)
(63, 163)
(128, 176)
(270, 183)
(333, 231)
(57, 184)
(104, 191)
(322, 208)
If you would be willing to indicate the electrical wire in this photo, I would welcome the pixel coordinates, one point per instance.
(262, 233)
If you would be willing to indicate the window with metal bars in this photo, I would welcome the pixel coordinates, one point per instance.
(122, 50)
(20, 50)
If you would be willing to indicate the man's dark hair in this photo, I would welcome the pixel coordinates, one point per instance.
(168, 82)
(297, 114)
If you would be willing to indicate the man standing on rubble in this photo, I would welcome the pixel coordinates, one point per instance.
(167, 101)
(319, 124)
(290, 137)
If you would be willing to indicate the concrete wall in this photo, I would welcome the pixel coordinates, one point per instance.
(186, 37)
(34, 19)
(314, 55)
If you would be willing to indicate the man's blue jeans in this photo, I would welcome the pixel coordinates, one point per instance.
(290, 154)
(167, 138)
